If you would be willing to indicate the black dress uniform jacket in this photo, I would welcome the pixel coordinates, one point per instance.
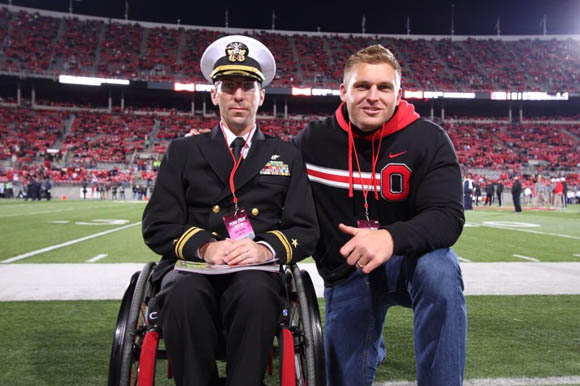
(192, 193)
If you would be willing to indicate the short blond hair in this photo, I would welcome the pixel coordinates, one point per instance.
(375, 54)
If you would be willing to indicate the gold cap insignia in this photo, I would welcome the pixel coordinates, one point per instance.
(236, 52)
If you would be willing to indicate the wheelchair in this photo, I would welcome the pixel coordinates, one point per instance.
(298, 347)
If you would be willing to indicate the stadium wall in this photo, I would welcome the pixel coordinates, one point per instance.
(74, 192)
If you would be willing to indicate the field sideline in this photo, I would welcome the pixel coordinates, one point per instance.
(105, 232)
(513, 340)
(64, 232)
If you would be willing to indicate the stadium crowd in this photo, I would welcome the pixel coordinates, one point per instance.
(55, 142)
(42, 44)
(113, 149)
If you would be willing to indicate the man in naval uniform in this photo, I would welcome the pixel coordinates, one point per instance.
(206, 183)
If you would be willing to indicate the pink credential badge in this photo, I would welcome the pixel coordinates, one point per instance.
(368, 224)
(238, 225)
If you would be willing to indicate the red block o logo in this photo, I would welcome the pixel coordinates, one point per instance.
(395, 182)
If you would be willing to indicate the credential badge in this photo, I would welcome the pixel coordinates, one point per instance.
(236, 52)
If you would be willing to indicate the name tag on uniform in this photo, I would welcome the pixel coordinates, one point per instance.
(238, 225)
(368, 224)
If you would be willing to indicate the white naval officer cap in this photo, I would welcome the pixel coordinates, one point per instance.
(238, 55)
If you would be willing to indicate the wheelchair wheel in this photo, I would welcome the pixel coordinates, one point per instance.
(131, 328)
(120, 327)
(306, 326)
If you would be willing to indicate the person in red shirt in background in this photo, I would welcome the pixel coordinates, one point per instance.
(558, 193)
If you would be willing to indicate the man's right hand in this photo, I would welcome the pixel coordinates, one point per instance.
(368, 248)
(214, 252)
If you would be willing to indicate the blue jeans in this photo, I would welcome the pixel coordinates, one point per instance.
(356, 311)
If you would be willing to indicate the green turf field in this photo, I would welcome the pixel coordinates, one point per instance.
(489, 235)
(31, 226)
(497, 235)
(68, 343)
(56, 343)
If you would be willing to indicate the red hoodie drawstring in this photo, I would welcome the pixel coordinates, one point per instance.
(375, 158)
(350, 146)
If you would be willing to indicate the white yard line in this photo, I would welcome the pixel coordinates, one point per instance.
(572, 380)
(35, 213)
(531, 231)
(28, 204)
(97, 258)
(463, 259)
(65, 244)
(107, 205)
(526, 257)
(577, 254)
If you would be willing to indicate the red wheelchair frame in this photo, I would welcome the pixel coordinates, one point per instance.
(299, 347)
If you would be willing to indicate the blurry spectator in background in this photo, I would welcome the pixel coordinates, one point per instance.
(85, 184)
(47, 189)
(22, 193)
(142, 192)
(114, 192)
(551, 189)
(156, 164)
(37, 194)
(468, 187)
(571, 196)
(102, 192)
(516, 192)
(489, 190)
(558, 193)
(9, 189)
(564, 192)
(542, 188)
(14, 161)
(477, 193)
(499, 192)
(122, 192)
(33, 189)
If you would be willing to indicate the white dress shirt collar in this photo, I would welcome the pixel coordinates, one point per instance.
(230, 137)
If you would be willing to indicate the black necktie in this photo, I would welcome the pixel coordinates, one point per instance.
(237, 146)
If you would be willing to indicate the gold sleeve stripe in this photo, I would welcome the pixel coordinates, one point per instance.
(285, 243)
(183, 240)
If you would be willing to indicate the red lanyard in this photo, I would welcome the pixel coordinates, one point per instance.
(236, 165)
(375, 158)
